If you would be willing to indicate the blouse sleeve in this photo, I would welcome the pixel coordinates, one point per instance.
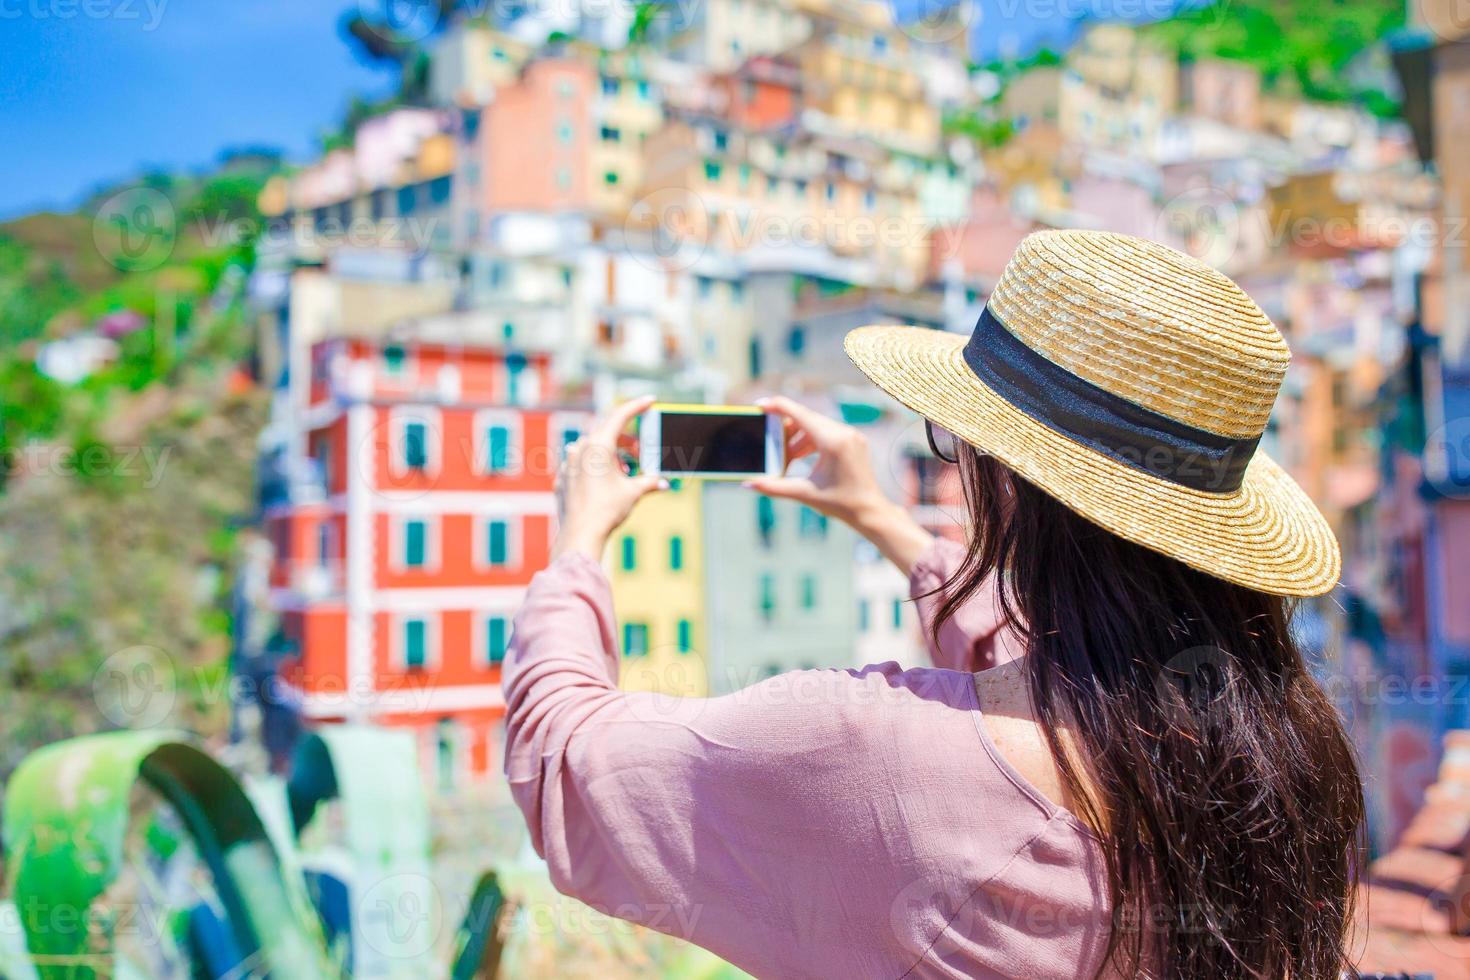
(971, 640)
(728, 821)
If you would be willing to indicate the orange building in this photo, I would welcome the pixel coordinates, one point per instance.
(397, 584)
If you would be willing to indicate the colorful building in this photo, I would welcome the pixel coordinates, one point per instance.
(779, 586)
(656, 563)
(404, 548)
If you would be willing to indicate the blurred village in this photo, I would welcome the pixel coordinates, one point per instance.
(574, 209)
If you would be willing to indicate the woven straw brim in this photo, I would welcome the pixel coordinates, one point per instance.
(1267, 535)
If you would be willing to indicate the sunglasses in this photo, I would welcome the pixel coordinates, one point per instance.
(942, 442)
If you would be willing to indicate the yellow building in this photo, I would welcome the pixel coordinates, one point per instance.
(656, 565)
(626, 112)
(739, 190)
(861, 74)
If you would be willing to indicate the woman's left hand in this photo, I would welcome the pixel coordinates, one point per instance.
(594, 493)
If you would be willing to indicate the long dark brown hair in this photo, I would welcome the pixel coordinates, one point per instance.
(1222, 783)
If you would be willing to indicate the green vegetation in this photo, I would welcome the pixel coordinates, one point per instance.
(1301, 46)
(119, 491)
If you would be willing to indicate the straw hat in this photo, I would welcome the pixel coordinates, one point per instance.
(1132, 383)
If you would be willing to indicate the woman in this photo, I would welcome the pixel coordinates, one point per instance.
(1117, 765)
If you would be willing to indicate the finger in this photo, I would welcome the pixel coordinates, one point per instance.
(816, 425)
(649, 484)
(785, 487)
(615, 421)
(798, 442)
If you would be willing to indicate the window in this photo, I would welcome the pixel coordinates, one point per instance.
(737, 291)
(323, 457)
(711, 170)
(865, 615)
(564, 131)
(472, 223)
(394, 360)
(563, 178)
(722, 140)
(768, 597)
(686, 636)
(630, 553)
(415, 643)
(800, 186)
(744, 175)
(869, 199)
(610, 178)
(676, 553)
(497, 639)
(497, 543)
(898, 614)
(765, 518)
(635, 639)
(415, 543)
(610, 134)
(415, 445)
(406, 201)
(831, 192)
(642, 89)
(796, 341)
(324, 543)
(507, 331)
(808, 592)
(610, 85)
(813, 524)
(772, 185)
(706, 286)
(498, 448)
(440, 189)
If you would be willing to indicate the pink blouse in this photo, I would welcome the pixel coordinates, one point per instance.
(822, 823)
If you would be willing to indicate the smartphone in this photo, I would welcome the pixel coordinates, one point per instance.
(715, 442)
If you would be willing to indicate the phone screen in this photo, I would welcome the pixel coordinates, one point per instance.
(699, 442)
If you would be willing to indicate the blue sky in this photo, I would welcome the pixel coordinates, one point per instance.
(93, 91)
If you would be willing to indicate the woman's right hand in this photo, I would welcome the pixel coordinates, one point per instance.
(842, 484)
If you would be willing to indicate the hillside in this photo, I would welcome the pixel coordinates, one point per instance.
(120, 491)
(1301, 46)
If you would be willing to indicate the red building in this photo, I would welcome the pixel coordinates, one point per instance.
(397, 578)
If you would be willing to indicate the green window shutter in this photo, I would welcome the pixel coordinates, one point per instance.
(808, 592)
(676, 553)
(415, 643)
(897, 613)
(393, 358)
(630, 553)
(635, 639)
(863, 615)
(686, 636)
(415, 544)
(497, 541)
(768, 596)
(497, 637)
(498, 439)
(415, 445)
(765, 517)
